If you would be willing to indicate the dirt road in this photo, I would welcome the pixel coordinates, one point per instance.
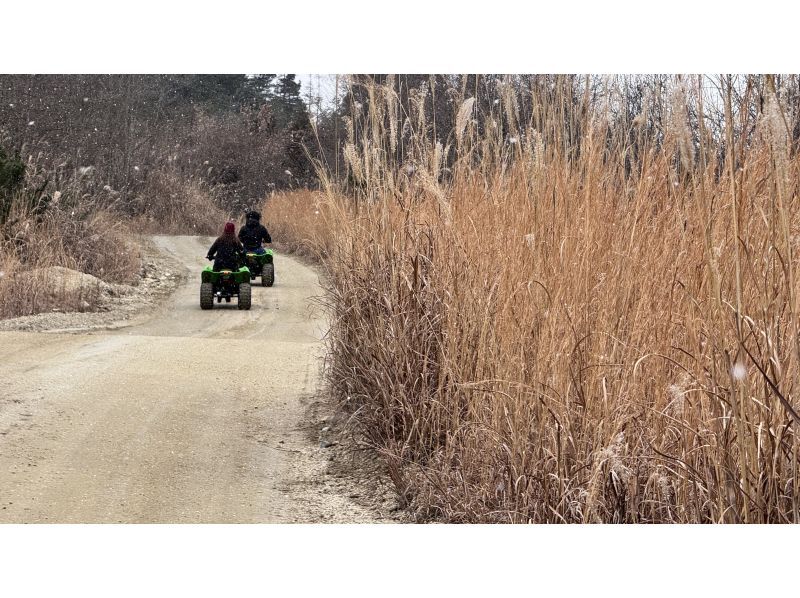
(182, 416)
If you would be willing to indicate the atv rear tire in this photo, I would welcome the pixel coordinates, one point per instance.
(268, 275)
(244, 296)
(206, 295)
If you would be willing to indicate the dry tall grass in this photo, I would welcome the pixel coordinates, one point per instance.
(71, 219)
(298, 222)
(93, 244)
(172, 204)
(552, 336)
(67, 223)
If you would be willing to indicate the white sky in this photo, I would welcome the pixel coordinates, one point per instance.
(315, 85)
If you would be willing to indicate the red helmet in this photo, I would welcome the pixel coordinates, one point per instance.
(230, 227)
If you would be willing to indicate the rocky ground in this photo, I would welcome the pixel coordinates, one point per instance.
(118, 304)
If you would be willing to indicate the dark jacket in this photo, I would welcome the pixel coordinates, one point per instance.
(253, 234)
(228, 254)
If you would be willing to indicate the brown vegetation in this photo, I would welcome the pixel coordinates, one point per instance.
(299, 222)
(86, 161)
(598, 330)
(553, 298)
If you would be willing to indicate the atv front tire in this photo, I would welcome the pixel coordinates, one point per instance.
(244, 296)
(206, 295)
(268, 275)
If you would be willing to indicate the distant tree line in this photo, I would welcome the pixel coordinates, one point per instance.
(639, 110)
(248, 135)
(242, 134)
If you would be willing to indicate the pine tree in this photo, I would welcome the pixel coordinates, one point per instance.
(289, 109)
(259, 88)
(221, 93)
(12, 173)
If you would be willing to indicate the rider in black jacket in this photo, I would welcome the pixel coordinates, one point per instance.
(227, 252)
(253, 233)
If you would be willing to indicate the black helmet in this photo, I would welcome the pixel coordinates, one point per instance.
(253, 215)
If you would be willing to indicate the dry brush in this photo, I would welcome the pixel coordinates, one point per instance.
(534, 330)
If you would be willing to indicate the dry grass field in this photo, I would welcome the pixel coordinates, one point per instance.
(576, 302)
(552, 330)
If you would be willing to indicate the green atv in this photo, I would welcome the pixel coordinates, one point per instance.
(260, 264)
(225, 284)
